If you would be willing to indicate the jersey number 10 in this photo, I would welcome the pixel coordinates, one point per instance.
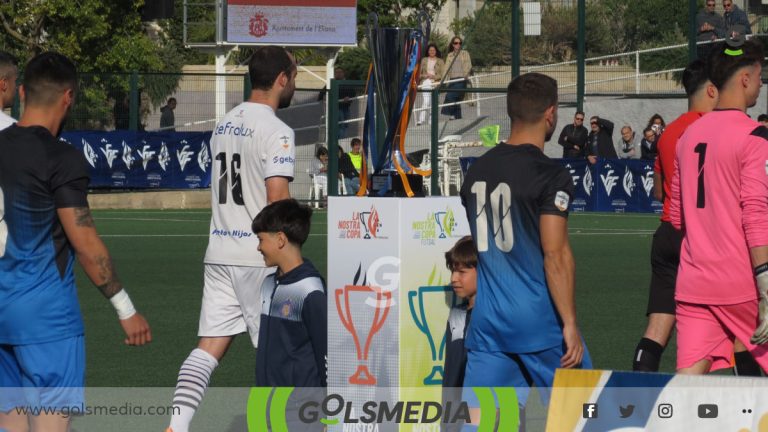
(237, 187)
(501, 200)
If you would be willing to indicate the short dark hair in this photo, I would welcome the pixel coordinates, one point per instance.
(8, 63)
(355, 141)
(266, 64)
(286, 216)
(173, 99)
(529, 95)
(321, 150)
(722, 65)
(463, 253)
(47, 76)
(580, 112)
(695, 76)
(762, 117)
(648, 129)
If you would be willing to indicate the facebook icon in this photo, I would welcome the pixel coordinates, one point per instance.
(589, 411)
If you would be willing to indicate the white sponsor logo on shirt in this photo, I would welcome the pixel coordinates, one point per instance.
(561, 201)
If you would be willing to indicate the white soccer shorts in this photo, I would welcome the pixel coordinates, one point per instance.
(232, 300)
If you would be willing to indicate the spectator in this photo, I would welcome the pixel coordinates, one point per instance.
(629, 144)
(351, 175)
(167, 118)
(600, 140)
(573, 137)
(120, 112)
(709, 26)
(657, 124)
(319, 169)
(736, 21)
(648, 144)
(346, 94)
(431, 69)
(459, 67)
(9, 71)
(763, 118)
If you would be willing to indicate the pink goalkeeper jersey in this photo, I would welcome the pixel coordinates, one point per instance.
(720, 198)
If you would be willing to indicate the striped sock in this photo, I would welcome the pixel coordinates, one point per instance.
(193, 379)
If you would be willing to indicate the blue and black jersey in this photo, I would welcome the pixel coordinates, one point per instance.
(455, 352)
(38, 175)
(293, 334)
(505, 193)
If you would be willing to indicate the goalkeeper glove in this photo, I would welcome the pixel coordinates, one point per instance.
(761, 334)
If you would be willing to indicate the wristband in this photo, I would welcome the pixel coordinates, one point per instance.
(123, 305)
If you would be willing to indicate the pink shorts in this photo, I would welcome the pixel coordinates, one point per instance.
(708, 331)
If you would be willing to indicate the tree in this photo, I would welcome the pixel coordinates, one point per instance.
(100, 37)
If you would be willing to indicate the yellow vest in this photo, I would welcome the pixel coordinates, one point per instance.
(357, 160)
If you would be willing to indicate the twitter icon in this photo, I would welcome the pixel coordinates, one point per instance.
(626, 411)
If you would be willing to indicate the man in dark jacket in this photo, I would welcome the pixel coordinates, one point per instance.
(600, 140)
(574, 137)
(736, 20)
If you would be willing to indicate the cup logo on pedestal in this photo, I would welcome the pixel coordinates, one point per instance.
(418, 304)
(445, 222)
(370, 222)
(382, 302)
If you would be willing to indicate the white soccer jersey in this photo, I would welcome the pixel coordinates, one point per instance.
(249, 145)
(6, 120)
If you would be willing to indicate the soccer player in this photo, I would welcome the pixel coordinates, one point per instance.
(254, 163)
(665, 250)
(8, 74)
(461, 260)
(719, 198)
(45, 223)
(524, 324)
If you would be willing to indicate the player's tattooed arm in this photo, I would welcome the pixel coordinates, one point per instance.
(83, 217)
(110, 285)
(91, 252)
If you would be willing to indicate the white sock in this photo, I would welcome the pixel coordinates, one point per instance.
(194, 375)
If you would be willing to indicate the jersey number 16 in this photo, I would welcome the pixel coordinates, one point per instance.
(237, 187)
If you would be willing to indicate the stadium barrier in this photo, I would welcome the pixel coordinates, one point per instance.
(610, 185)
(145, 160)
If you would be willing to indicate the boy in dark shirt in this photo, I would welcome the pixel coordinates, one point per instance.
(461, 260)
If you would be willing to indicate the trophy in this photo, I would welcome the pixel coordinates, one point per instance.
(362, 375)
(419, 315)
(391, 88)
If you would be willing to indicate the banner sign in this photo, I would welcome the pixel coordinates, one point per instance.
(292, 22)
(156, 160)
(610, 185)
(599, 400)
(389, 296)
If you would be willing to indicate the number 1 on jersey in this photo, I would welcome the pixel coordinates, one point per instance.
(701, 149)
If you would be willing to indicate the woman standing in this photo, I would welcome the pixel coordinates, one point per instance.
(431, 70)
(459, 67)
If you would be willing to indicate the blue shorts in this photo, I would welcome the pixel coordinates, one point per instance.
(50, 375)
(521, 371)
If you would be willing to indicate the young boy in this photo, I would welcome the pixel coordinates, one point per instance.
(294, 329)
(461, 260)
